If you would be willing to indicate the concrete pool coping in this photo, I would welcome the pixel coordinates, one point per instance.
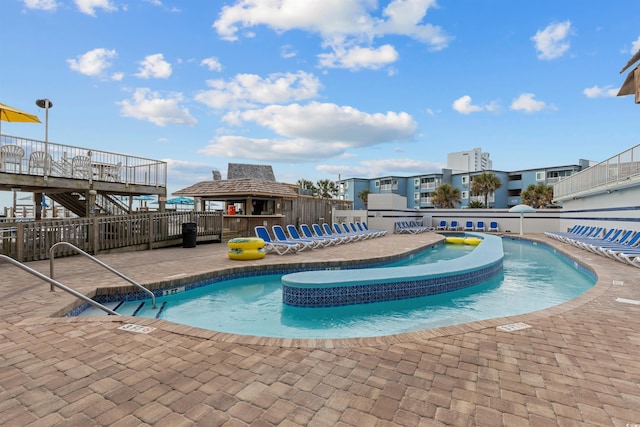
(394, 246)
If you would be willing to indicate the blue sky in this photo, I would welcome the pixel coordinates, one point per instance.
(324, 88)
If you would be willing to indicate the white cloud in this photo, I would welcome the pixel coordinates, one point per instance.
(287, 51)
(383, 167)
(184, 173)
(359, 57)
(212, 64)
(49, 5)
(464, 105)
(311, 132)
(552, 42)
(154, 66)
(89, 7)
(148, 105)
(92, 63)
(526, 102)
(600, 92)
(348, 27)
(635, 46)
(248, 90)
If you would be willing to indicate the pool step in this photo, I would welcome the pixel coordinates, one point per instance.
(124, 308)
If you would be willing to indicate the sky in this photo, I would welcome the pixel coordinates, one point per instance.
(324, 89)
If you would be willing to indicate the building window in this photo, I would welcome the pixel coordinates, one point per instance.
(377, 183)
(540, 176)
(464, 195)
(416, 196)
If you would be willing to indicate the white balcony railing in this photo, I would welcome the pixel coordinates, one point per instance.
(32, 157)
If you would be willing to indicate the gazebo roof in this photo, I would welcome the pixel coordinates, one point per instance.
(238, 187)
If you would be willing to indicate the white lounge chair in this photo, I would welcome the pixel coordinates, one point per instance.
(280, 248)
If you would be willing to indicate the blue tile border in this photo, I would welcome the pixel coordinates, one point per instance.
(364, 286)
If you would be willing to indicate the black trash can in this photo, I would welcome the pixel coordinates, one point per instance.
(189, 234)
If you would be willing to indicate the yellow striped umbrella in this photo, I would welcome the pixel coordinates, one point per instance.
(10, 114)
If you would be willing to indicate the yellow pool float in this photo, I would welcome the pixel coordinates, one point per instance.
(245, 248)
(455, 240)
(472, 241)
(463, 240)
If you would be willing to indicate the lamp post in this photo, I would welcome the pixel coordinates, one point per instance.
(46, 104)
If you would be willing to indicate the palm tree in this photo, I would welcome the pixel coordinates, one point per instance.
(446, 197)
(305, 184)
(364, 196)
(326, 188)
(485, 184)
(537, 195)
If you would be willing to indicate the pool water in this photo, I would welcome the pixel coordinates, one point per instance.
(533, 278)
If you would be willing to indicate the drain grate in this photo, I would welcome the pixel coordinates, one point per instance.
(137, 328)
(513, 327)
(617, 282)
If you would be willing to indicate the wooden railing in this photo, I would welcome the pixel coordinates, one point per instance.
(29, 241)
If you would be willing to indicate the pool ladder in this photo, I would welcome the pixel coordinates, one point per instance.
(55, 283)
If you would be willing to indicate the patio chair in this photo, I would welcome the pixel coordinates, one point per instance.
(317, 231)
(11, 154)
(281, 236)
(318, 242)
(309, 234)
(455, 226)
(442, 226)
(112, 172)
(40, 161)
(81, 167)
(270, 245)
(493, 226)
(468, 226)
(479, 226)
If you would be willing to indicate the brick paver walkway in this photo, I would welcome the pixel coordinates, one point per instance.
(578, 364)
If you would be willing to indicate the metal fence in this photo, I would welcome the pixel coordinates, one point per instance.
(32, 157)
(30, 241)
(617, 171)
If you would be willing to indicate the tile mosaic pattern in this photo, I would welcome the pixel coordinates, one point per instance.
(378, 292)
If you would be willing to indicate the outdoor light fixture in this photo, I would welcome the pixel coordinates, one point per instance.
(46, 104)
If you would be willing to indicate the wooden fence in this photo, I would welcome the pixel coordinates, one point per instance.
(30, 241)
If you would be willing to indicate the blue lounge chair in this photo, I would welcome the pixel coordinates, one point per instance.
(351, 226)
(270, 245)
(493, 226)
(363, 226)
(307, 233)
(468, 226)
(442, 225)
(455, 226)
(294, 235)
(479, 226)
(281, 236)
(325, 231)
(342, 231)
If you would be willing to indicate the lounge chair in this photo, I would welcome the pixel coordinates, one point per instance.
(328, 233)
(442, 225)
(326, 228)
(623, 251)
(455, 226)
(479, 226)
(468, 226)
(342, 231)
(593, 244)
(363, 226)
(351, 226)
(281, 236)
(307, 233)
(493, 226)
(294, 235)
(270, 245)
(402, 227)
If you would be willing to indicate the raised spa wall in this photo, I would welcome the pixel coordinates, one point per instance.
(362, 286)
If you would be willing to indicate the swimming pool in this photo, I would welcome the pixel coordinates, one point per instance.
(533, 278)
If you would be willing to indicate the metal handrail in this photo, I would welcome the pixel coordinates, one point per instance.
(96, 260)
(58, 284)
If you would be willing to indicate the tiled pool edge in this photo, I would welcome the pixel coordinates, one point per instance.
(364, 286)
